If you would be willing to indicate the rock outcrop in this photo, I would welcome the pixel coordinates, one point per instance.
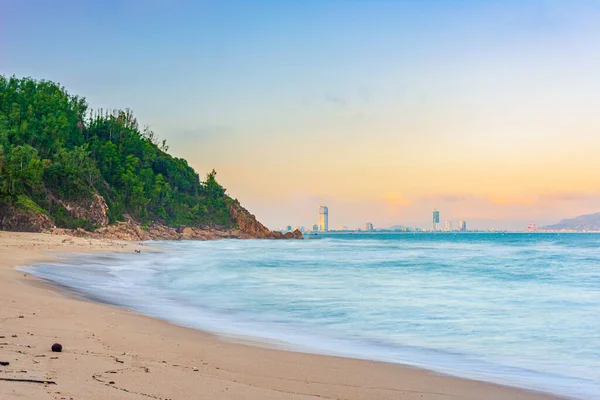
(247, 222)
(293, 235)
(131, 231)
(93, 209)
(249, 225)
(30, 219)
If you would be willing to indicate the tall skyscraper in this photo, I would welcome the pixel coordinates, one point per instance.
(448, 226)
(323, 219)
(463, 226)
(436, 220)
(368, 227)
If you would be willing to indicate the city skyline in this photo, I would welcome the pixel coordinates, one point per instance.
(486, 110)
(323, 224)
(585, 223)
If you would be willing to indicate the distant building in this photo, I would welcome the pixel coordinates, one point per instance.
(368, 227)
(436, 220)
(288, 228)
(315, 227)
(531, 227)
(448, 226)
(463, 226)
(323, 219)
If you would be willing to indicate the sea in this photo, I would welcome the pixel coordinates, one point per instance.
(521, 309)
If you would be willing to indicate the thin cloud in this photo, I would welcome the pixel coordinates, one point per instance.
(336, 100)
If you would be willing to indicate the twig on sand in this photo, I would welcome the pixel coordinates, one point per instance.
(28, 380)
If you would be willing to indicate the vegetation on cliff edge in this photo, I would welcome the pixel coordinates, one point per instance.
(54, 151)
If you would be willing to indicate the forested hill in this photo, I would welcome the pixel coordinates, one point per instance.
(64, 165)
(588, 222)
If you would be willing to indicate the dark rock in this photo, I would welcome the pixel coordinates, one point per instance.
(57, 347)
(4, 363)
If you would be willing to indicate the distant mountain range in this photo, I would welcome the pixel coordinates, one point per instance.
(588, 222)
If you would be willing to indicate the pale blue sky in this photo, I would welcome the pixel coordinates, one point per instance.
(381, 109)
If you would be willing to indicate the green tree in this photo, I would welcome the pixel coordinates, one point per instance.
(51, 143)
(73, 174)
(22, 170)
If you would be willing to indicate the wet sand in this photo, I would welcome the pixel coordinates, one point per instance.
(112, 353)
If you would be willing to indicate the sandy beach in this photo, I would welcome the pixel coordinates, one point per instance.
(113, 353)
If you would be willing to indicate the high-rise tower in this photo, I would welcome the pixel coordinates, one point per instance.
(448, 227)
(323, 219)
(436, 220)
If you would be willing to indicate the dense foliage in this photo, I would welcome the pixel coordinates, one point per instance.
(53, 147)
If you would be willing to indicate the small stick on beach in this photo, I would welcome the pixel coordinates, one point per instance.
(28, 380)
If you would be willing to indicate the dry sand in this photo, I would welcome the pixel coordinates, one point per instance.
(112, 353)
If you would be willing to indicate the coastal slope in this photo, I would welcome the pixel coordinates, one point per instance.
(98, 173)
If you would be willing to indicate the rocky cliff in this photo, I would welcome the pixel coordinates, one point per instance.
(29, 218)
(249, 225)
(23, 216)
(132, 231)
(93, 209)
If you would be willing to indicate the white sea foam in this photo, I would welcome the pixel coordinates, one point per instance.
(514, 309)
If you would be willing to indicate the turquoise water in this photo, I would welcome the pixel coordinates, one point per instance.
(519, 309)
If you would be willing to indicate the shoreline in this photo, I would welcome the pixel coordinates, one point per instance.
(147, 357)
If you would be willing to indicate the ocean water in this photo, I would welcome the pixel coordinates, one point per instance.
(517, 309)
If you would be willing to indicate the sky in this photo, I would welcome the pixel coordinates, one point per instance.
(382, 110)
